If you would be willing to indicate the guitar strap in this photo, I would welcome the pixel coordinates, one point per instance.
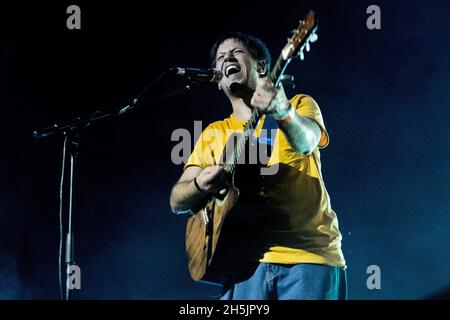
(268, 133)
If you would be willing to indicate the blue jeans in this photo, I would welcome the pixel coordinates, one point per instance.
(304, 281)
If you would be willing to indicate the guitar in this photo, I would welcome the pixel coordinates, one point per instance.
(216, 236)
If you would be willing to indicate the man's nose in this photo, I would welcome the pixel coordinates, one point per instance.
(230, 57)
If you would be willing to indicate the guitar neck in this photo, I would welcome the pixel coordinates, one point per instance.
(278, 70)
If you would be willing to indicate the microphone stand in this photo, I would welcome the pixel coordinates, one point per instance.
(70, 130)
(73, 141)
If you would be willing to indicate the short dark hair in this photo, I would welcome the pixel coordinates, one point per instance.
(256, 47)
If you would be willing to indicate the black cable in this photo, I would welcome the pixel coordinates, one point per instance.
(151, 84)
(61, 187)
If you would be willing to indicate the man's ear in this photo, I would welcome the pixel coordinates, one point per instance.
(262, 67)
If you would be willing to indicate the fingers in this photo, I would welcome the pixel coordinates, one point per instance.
(211, 171)
(265, 89)
(215, 172)
(264, 83)
(266, 97)
(213, 179)
(262, 99)
(264, 94)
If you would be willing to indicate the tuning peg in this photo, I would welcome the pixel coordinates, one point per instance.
(295, 31)
(287, 77)
(288, 82)
(307, 46)
(302, 55)
(313, 37)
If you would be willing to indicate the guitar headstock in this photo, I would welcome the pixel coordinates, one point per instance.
(301, 37)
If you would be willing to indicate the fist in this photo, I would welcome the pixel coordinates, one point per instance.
(213, 179)
(269, 99)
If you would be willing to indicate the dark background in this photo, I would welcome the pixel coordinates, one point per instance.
(384, 95)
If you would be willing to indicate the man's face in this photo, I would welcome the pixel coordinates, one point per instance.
(237, 65)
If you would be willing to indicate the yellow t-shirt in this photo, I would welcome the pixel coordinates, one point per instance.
(299, 225)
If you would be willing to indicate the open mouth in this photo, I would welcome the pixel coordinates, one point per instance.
(232, 69)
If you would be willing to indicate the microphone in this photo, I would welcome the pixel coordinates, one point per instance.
(211, 75)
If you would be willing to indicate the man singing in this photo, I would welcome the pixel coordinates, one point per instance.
(297, 238)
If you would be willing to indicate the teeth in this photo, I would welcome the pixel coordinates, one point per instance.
(231, 69)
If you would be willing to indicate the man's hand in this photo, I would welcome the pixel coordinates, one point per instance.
(213, 180)
(269, 99)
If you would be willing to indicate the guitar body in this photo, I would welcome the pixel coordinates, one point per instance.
(213, 261)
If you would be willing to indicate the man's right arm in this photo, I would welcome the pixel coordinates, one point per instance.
(185, 195)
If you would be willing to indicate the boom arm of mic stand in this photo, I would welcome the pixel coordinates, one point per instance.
(79, 122)
(139, 101)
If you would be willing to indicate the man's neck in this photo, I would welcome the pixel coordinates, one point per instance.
(240, 101)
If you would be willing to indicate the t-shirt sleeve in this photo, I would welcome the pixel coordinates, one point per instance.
(203, 154)
(305, 106)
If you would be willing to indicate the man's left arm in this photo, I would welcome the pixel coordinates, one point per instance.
(302, 133)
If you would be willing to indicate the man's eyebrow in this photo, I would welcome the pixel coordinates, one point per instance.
(222, 52)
